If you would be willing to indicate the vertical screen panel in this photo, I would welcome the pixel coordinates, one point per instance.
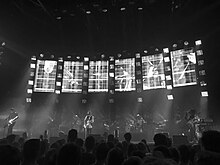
(153, 72)
(45, 76)
(183, 67)
(98, 76)
(72, 76)
(125, 74)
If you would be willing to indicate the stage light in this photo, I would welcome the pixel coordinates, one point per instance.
(140, 100)
(86, 67)
(58, 83)
(166, 59)
(84, 101)
(104, 10)
(3, 43)
(119, 55)
(168, 77)
(112, 66)
(203, 83)
(28, 100)
(41, 55)
(77, 57)
(86, 58)
(111, 101)
(33, 58)
(58, 17)
(59, 75)
(32, 66)
(30, 82)
(204, 94)
(138, 55)
(111, 58)
(198, 42)
(122, 9)
(199, 52)
(169, 87)
(111, 75)
(202, 72)
(57, 92)
(174, 45)
(170, 97)
(186, 43)
(201, 62)
(60, 59)
(156, 49)
(88, 12)
(102, 56)
(29, 91)
(166, 50)
(111, 91)
(32, 74)
(140, 8)
(69, 57)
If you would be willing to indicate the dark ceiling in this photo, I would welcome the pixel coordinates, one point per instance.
(63, 27)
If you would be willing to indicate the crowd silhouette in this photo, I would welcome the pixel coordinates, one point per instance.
(72, 150)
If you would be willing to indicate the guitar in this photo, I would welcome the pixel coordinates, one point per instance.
(10, 122)
(88, 122)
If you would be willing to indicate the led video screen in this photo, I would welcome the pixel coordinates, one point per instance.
(45, 77)
(183, 64)
(153, 72)
(98, 76)
(72, 76)
(125, 74)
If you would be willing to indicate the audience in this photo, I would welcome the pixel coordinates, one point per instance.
(15, 150)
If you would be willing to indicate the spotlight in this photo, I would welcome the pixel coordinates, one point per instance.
(3, 44)
(77, 57)
(140, 8)
(29, 91)
(57, 92)
(186, 43)
(138, 55)
(102, 56)
(156, 49)
(204, 94)
(28, 100)
(30, 82)
(166, 59)
(140, 100)
(119, 55)
(41, 55)
(58, 17)
(166, 50)
(33, 58)
(88, 12)
(145, 51)
(104, 10)
(169, 87)
(86, 58)
(86, 67)
(111, 74)
(198, 42)
(170, 97)
(69, 57)
(122, 9)
(174, 45)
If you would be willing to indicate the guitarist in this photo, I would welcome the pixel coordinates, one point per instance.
(11, 120)
(88, 120)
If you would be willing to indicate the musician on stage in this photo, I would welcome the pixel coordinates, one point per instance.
(140, 122)
(11, 120)
(88, 120)
(191, 118)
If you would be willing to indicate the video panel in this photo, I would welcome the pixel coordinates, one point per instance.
(183, 64)
(153, 72)
(45, 77)
(72, 77)
(98, 76)
(125, 74)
